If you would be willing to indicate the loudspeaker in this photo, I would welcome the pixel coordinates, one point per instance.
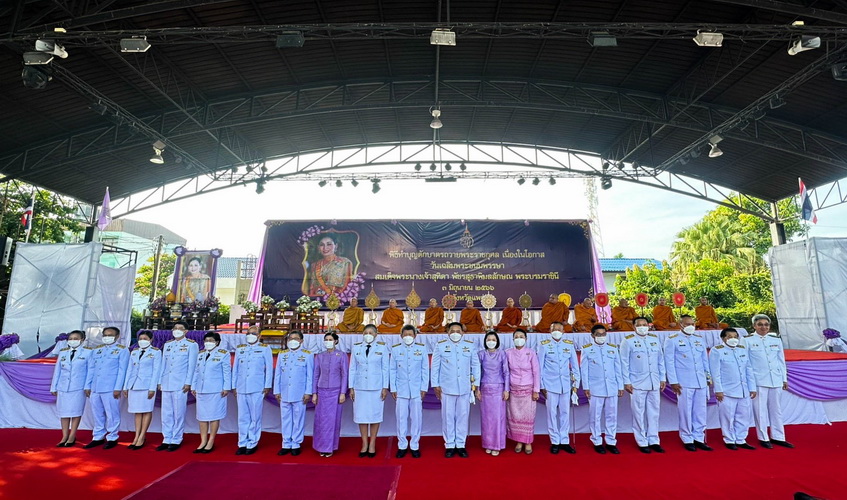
(290, 39)
(6, 248)
(90, 234)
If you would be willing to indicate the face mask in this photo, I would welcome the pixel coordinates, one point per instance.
(642, 330)
(688, 329)
(455, 337)
(600, 340)
(252, 338)
(108, 340)
(408, 340)
(491, 344)
(732, 342)
(73, 344)
(293, 344)
(329, 344)
(144, 344)
(520, 342)
(209, 345)
(369, 338)
(178, 334)
(557, 335)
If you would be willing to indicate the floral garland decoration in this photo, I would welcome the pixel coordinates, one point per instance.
(309, 233)
(8, 340)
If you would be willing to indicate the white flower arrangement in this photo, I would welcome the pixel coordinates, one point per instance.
(251, 306)
(267, 300)
(282, 305)
(305, 304)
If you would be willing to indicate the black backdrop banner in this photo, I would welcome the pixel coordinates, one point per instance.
(470, 259)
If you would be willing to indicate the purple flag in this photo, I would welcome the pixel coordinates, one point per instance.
(105, 212)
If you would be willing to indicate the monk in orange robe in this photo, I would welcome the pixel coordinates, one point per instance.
(392, 319)
(553, 311)
(471, 319)
(585, 316)
(663, 318)
(511, 318)
(707, 318)
(433, 318)
(623, 317)
(353, 319)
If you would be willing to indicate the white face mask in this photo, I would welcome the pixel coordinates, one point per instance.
(293, 344)
(369, 338)
(557, 334)
(209, 345)
(520, 342)
(252, 338)
(688, 329)
(329, 344)
(73, 344)
(109, 340)
(491, 344)
(455, 337)
(600, 340)
(144, 344)
(732, 342)
(408, 340)
(642, 330)
(178, 334)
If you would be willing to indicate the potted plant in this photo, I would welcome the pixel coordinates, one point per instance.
(251, 307)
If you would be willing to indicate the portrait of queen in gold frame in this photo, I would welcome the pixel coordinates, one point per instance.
(330, 262)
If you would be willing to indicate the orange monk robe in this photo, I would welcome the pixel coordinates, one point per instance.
(353, 320)
(584, 318)
(511, 316)
(433, 320)
(620, 316)
(472, 320)
(706, 315)
(551, 313)
(393, 316)
(663, 317)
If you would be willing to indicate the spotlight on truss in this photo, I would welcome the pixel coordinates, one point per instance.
(442, 36)
(136, 44)
(708, 39)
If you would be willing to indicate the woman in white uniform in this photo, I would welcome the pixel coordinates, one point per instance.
(142, 378)
(68, 386)
(368, 387)
(212, 381)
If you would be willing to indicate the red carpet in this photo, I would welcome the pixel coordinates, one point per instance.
(32, 468)
(798, 355)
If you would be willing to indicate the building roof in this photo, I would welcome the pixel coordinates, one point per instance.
(146, 230)
(621, 265)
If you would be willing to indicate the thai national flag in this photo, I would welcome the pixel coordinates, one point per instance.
(806, 210)
(26, 218)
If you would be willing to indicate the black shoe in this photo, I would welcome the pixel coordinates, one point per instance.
(689, 446)
(568, 448)
(130, 447)
(449, 452)
(731, 446)
(295, 452)
(251, 451)
(766, 444)
(462, 452)
(208, 450)
(746, 446)
(401, 453)
(554, 449)
(702, 446)
(656, 448)
(110, 444)
(599, 449)
(613, 449)
(61, 445)
(416, 453)
(70, 444)
(162, 447)
(363, 454)
(242, 450)
(784, 444)
(371, 454)
(198, 450)
(283, 451)
(94, 444)
(174, 447)
(139, 446)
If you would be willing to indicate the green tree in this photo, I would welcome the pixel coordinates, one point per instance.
(618, 255)
(53, 216)
(718, 240)
(144, 278)
(757, 230)
(710, 278)
(650, 279)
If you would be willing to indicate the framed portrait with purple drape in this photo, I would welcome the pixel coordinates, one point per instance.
(194, 274)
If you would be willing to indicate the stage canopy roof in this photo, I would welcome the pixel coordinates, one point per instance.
(218, 92)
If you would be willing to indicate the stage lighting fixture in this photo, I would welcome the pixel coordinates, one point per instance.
(322, 183)
(99, 108)
(521, 181)
(708, 39)
(440, 179)
(535, 181)
(713, 142)
(136, 44)
(375, 188)
(338, 183)
(552, 181)
(602, 39)
(804, 43)
(157, 158)
(264, 169)
(606, 183)
(36, 77)
(37, 58)
(354, 182)
(417, 167)
(260, 187)
(839, 71)
(436, 120)
(776, 102)
(51, 47)
(605, 166)
(432, 167)
(290, 39)
(441, 36)
(463, 167)
(448, 167)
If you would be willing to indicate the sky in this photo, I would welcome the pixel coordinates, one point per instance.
(638, 221)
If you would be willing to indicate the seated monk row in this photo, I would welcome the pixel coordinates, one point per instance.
(553, 312)
(706, 317)
(433, 318)
(511, 318)
(623, 317)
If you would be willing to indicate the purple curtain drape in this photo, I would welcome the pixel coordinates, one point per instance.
(29, 379)
(256, 287)
(821, 380)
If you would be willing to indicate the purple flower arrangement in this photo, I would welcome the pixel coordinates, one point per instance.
(351, 291)
(61, 337)
(159, 304)
(309, 233)
(831, 333)
(8, 340)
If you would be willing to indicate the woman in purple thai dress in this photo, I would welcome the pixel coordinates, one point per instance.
(493, 392)
(328, 395)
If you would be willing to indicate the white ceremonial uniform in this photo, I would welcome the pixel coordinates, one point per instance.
(560, 378)
(643, 367)
(368, 376)
(600, 371)
(142, 376)
(732, 375)
(408, 377)
(455, 369)
(69, 381)
(767, 356)
(253, 373)
(212, 376)
(179, 358)
(295, 370)
(106, 371)
(686, 364)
